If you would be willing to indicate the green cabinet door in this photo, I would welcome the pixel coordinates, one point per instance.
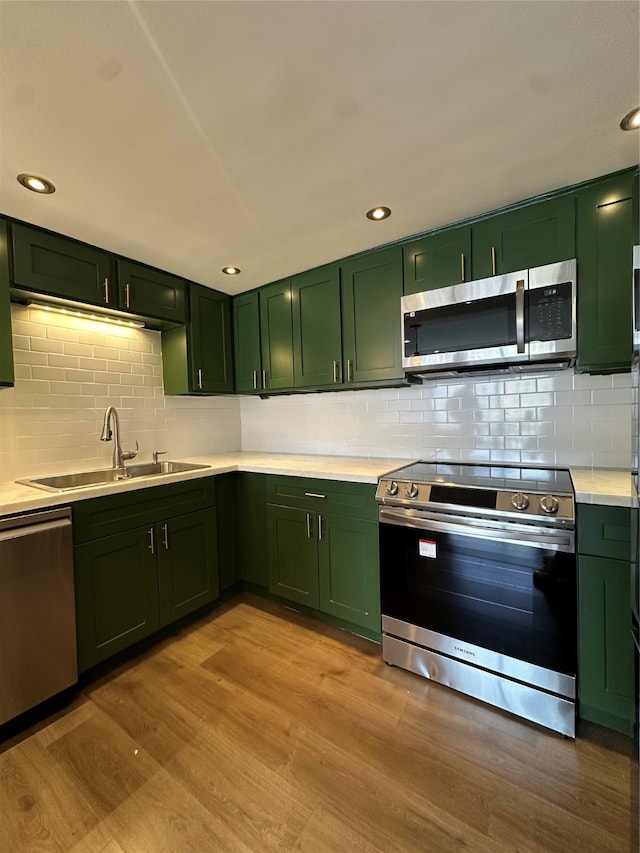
(150, 292)
(116, 594)
(437, 260)
(211, 349)
(58, 266)
(253, 535)
(349, 569)
(605, 240)
(186, 549)
(6, 347)
(371, 293)
(317, 336)
(276, 336)
(293, 561)
(531, 236)
(605, 647)
(246, 339)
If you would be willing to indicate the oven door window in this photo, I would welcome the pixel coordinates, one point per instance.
(516, 600)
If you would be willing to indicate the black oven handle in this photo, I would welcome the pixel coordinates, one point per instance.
(552, 540)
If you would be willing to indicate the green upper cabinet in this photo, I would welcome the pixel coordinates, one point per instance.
(437, 260)
(605, 240)
(530, 236)
(276, 336)
(150, 292)
(61, 267)
(371, 293)
(6, 349)
(317, 336)
(197, 358)
(246, 339)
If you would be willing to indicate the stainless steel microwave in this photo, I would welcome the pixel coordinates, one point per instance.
(516, 321)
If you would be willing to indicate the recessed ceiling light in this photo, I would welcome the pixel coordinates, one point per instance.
(378, 213)
(632, 120)
(230, 270)
(36, 184)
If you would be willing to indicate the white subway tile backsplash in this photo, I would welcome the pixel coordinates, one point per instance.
(66, 376)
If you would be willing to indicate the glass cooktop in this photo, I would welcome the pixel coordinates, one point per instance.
(498, 477)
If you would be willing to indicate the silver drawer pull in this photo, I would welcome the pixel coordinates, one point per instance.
(151, 541)
(313, 495)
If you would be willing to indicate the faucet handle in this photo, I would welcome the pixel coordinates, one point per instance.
(157, 453)
(131, 454)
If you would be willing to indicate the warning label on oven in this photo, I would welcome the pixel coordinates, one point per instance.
(426, 548)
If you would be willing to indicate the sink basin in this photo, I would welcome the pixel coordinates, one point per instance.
(84, 479)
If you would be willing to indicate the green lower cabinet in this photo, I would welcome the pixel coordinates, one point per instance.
(323, 548)
(605, 645)
(187, 564)
(605, 657)
(348, 569)
(131, 582)
(293, 560)
(116, 587)
(253, 533)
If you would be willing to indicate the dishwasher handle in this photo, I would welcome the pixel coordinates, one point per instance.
(10, 533)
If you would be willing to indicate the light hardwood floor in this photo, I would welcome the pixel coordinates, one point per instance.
(257, 729)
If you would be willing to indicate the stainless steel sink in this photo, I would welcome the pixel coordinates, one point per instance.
(84, 479)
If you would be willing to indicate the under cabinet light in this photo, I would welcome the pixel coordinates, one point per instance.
(85, 315)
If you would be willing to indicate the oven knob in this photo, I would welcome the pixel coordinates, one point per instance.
(392, 488)
(549, 504)
(412, 491)
(520, 500)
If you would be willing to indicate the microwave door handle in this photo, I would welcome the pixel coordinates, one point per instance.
(520, 315)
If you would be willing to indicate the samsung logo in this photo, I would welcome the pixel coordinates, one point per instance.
(464, 651)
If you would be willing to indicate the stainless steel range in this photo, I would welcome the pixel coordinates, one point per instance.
(478, 583)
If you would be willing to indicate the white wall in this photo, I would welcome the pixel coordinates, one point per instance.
(552, 419)
(69, 370)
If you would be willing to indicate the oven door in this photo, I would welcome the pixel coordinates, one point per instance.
(471, 324)
(507, 588)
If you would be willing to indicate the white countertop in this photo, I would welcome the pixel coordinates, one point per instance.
(592, 485)
(604, 486)
(15, 497)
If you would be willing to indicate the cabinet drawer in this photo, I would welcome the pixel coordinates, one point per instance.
(356, 500)
(98, 517)
(604, 531)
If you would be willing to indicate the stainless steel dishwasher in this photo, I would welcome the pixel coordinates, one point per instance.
(37, 610)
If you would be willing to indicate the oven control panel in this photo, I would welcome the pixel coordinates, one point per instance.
(475, 500)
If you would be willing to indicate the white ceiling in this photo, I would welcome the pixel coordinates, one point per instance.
(192, 135)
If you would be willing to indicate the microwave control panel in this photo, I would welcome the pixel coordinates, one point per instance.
(550, 312)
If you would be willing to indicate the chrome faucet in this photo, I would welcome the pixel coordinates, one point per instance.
(109, 433)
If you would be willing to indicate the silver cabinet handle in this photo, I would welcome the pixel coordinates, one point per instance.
(151, 541)
(520, 315)
(314, 495)
(255, 380)
(165, 536)
(335, 371)
(493, 260)
(127, 295)
(264, 378)
(349, 370)
(461, 266)
(200, 378)
(105, 285)
(308, 526)
(319, 526)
